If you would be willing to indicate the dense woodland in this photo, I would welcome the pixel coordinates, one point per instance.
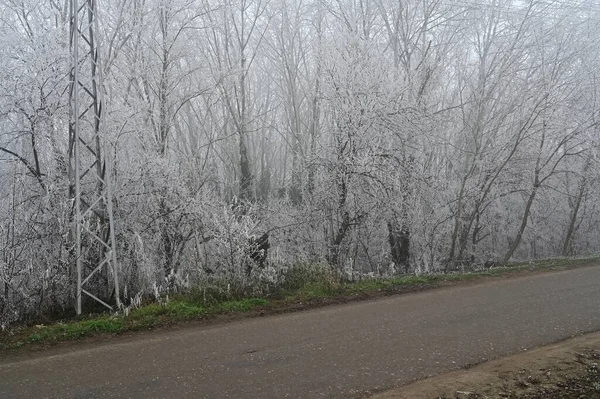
(252, 137)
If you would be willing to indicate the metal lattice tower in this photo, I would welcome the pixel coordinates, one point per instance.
(93, 232)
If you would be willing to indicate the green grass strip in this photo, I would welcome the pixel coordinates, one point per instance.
(190, 307)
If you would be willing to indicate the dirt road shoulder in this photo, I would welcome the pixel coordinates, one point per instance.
(568, 369)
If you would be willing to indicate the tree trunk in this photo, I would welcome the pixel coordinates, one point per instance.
(334, 246)
(246, 179)
(517, 241)
(399, 240)
(567, 245)
(296, 187)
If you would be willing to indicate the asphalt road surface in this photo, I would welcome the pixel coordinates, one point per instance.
(336, 352)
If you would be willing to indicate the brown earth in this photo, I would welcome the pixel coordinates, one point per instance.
(568, 369)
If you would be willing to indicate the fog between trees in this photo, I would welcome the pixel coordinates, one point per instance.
(372, 137)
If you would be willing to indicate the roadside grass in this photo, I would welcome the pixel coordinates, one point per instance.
(308, 291)
(143, 318)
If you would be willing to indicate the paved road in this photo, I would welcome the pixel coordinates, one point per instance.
(336, 352)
